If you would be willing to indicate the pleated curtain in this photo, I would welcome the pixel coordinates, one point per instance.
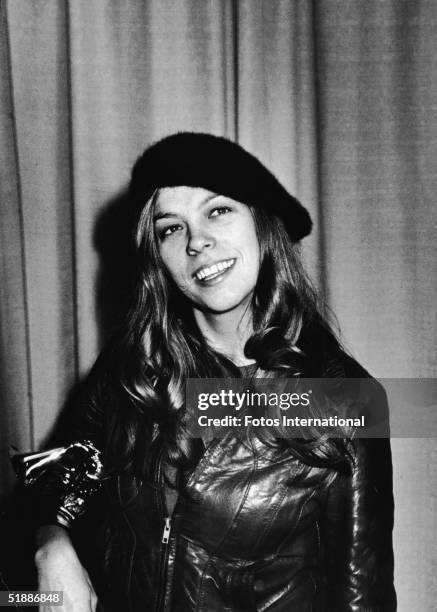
(337, 97)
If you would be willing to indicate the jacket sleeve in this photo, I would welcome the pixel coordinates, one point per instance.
(357, 531)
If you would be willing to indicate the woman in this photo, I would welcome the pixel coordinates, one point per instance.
(265, 523)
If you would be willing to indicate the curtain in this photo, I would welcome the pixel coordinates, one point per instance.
(337, 97)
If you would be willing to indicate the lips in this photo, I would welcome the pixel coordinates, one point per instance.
(207, 273)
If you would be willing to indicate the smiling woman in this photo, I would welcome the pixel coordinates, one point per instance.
(241, 523)
(209, 246)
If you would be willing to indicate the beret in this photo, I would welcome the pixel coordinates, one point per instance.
(202, 160)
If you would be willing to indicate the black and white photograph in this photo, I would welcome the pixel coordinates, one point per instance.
(218, 321)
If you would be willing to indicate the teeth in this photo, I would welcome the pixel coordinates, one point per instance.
(214, 269)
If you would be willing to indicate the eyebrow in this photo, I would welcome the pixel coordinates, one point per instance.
(159, 216)
(169, 214)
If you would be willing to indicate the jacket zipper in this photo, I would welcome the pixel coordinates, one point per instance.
(167, 529)
(165, 539)
(163, 565)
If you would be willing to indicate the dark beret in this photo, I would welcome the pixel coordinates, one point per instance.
(221, 166)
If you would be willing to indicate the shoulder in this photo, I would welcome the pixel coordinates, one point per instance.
(103, 379)
(365, 393)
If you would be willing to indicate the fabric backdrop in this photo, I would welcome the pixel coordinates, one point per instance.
(338, 97)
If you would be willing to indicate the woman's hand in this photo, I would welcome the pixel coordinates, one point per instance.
(59, 569)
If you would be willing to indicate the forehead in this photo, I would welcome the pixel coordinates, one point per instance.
(177, 199)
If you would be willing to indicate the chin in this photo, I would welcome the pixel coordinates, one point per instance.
(219, 309)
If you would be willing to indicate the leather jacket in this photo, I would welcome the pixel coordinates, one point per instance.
(252, 529)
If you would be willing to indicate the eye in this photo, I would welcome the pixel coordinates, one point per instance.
(219, 210)
(169, 230)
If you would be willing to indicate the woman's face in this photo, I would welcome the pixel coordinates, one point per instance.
(209, 246)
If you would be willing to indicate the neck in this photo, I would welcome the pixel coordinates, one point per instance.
(227, 332)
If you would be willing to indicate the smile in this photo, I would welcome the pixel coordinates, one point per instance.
(209, 272)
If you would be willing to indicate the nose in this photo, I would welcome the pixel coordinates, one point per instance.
(198, 240)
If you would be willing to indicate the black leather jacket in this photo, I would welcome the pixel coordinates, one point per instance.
(245, 534)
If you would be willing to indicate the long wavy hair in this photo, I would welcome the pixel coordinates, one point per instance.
(161, 346)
